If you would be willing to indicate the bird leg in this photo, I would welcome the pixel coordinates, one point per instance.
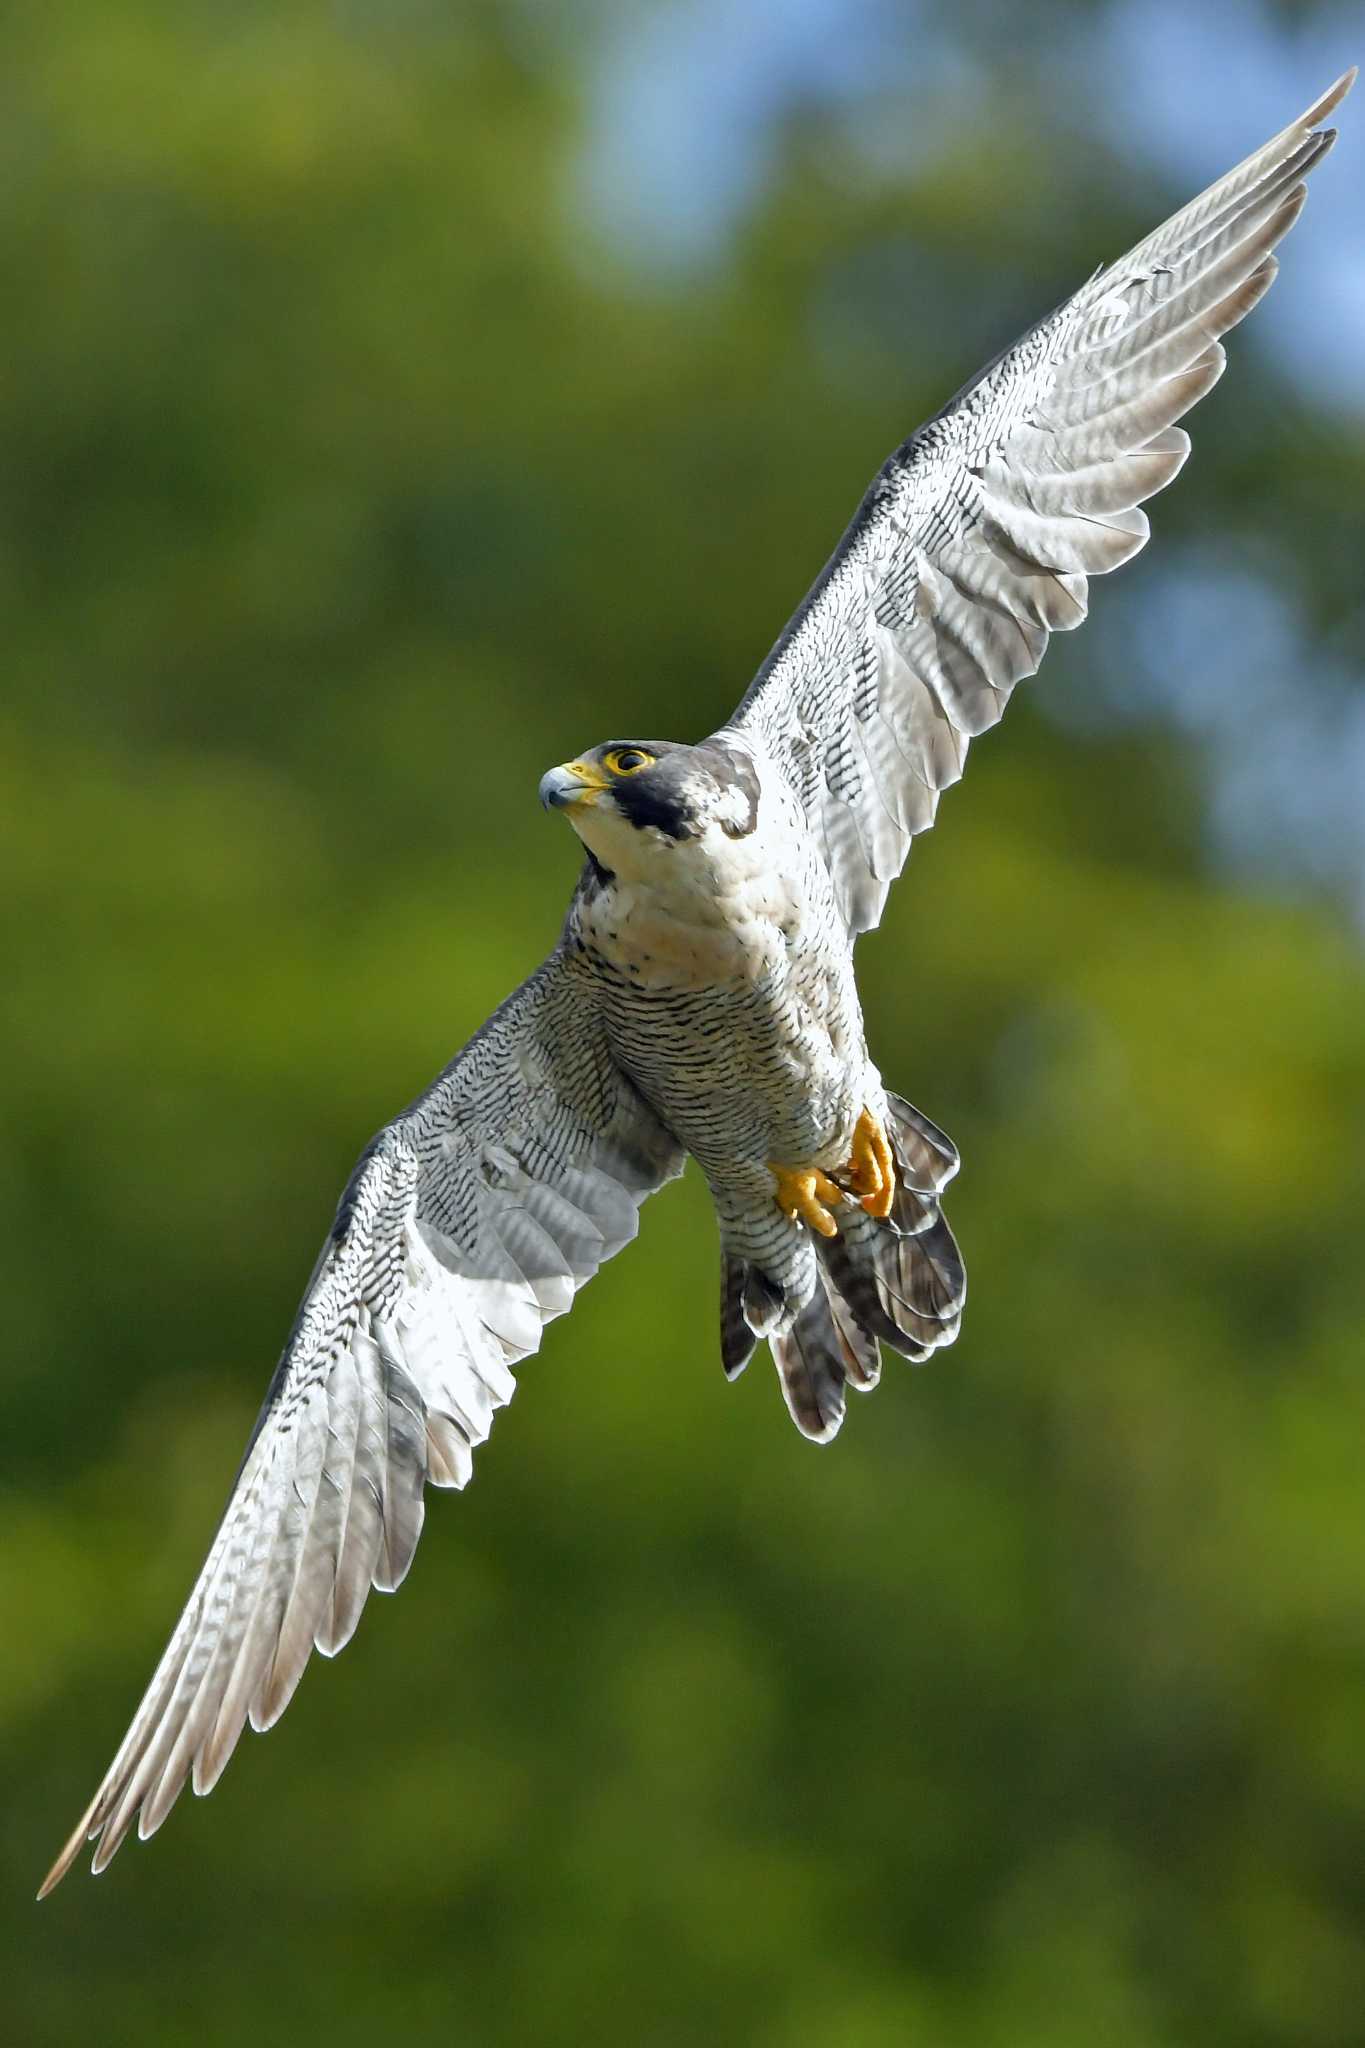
(803, 1193)
(871, 1171)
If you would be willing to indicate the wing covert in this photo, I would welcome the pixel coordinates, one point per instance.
(469, 1222)
(977, 537)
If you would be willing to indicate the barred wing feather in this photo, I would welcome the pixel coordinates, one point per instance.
(468, 1223)
(978, 536)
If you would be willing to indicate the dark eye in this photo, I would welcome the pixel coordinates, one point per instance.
(628, 760)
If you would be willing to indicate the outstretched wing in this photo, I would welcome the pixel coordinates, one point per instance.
(976, 538)
(468, 1223)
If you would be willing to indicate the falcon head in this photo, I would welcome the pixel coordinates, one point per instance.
(634, 800)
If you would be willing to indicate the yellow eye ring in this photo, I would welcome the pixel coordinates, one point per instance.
(628, 760)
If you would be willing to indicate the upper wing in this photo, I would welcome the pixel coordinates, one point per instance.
(976, 537)
(468, 1223)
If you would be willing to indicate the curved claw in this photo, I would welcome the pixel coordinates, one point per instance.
(807, 1195)
(872, 1170)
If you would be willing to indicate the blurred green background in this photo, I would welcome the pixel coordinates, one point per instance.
(396, 398)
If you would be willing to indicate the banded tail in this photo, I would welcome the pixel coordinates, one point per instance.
(898, 1282)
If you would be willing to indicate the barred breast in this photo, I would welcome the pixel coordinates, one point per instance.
(730, 999)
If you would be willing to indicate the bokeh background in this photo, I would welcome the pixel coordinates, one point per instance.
(396, 396)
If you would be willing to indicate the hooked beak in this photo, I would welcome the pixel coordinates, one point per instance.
(576, 782)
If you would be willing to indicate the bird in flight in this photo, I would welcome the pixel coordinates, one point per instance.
(702, 1000)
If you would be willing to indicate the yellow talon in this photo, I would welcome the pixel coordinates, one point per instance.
(871, 1170)
(809, 1196)
(803, 1193)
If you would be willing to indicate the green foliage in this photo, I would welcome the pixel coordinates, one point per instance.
(349, 485)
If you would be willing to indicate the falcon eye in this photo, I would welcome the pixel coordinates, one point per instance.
(628, 760)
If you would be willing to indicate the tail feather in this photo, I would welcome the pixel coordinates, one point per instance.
(922, 1269)
(897, 1281)
(926, 1157)
(765, 1302)
(862, 1353)
(810, 1364)
(895, 1291)
(738, 1339)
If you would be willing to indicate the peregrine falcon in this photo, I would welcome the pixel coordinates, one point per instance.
(702, 998)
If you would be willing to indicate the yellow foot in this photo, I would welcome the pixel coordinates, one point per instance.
(871, 1170)
(803, 1193)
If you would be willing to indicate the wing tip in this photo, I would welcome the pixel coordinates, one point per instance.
(1333, 97)
(70, 1850)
